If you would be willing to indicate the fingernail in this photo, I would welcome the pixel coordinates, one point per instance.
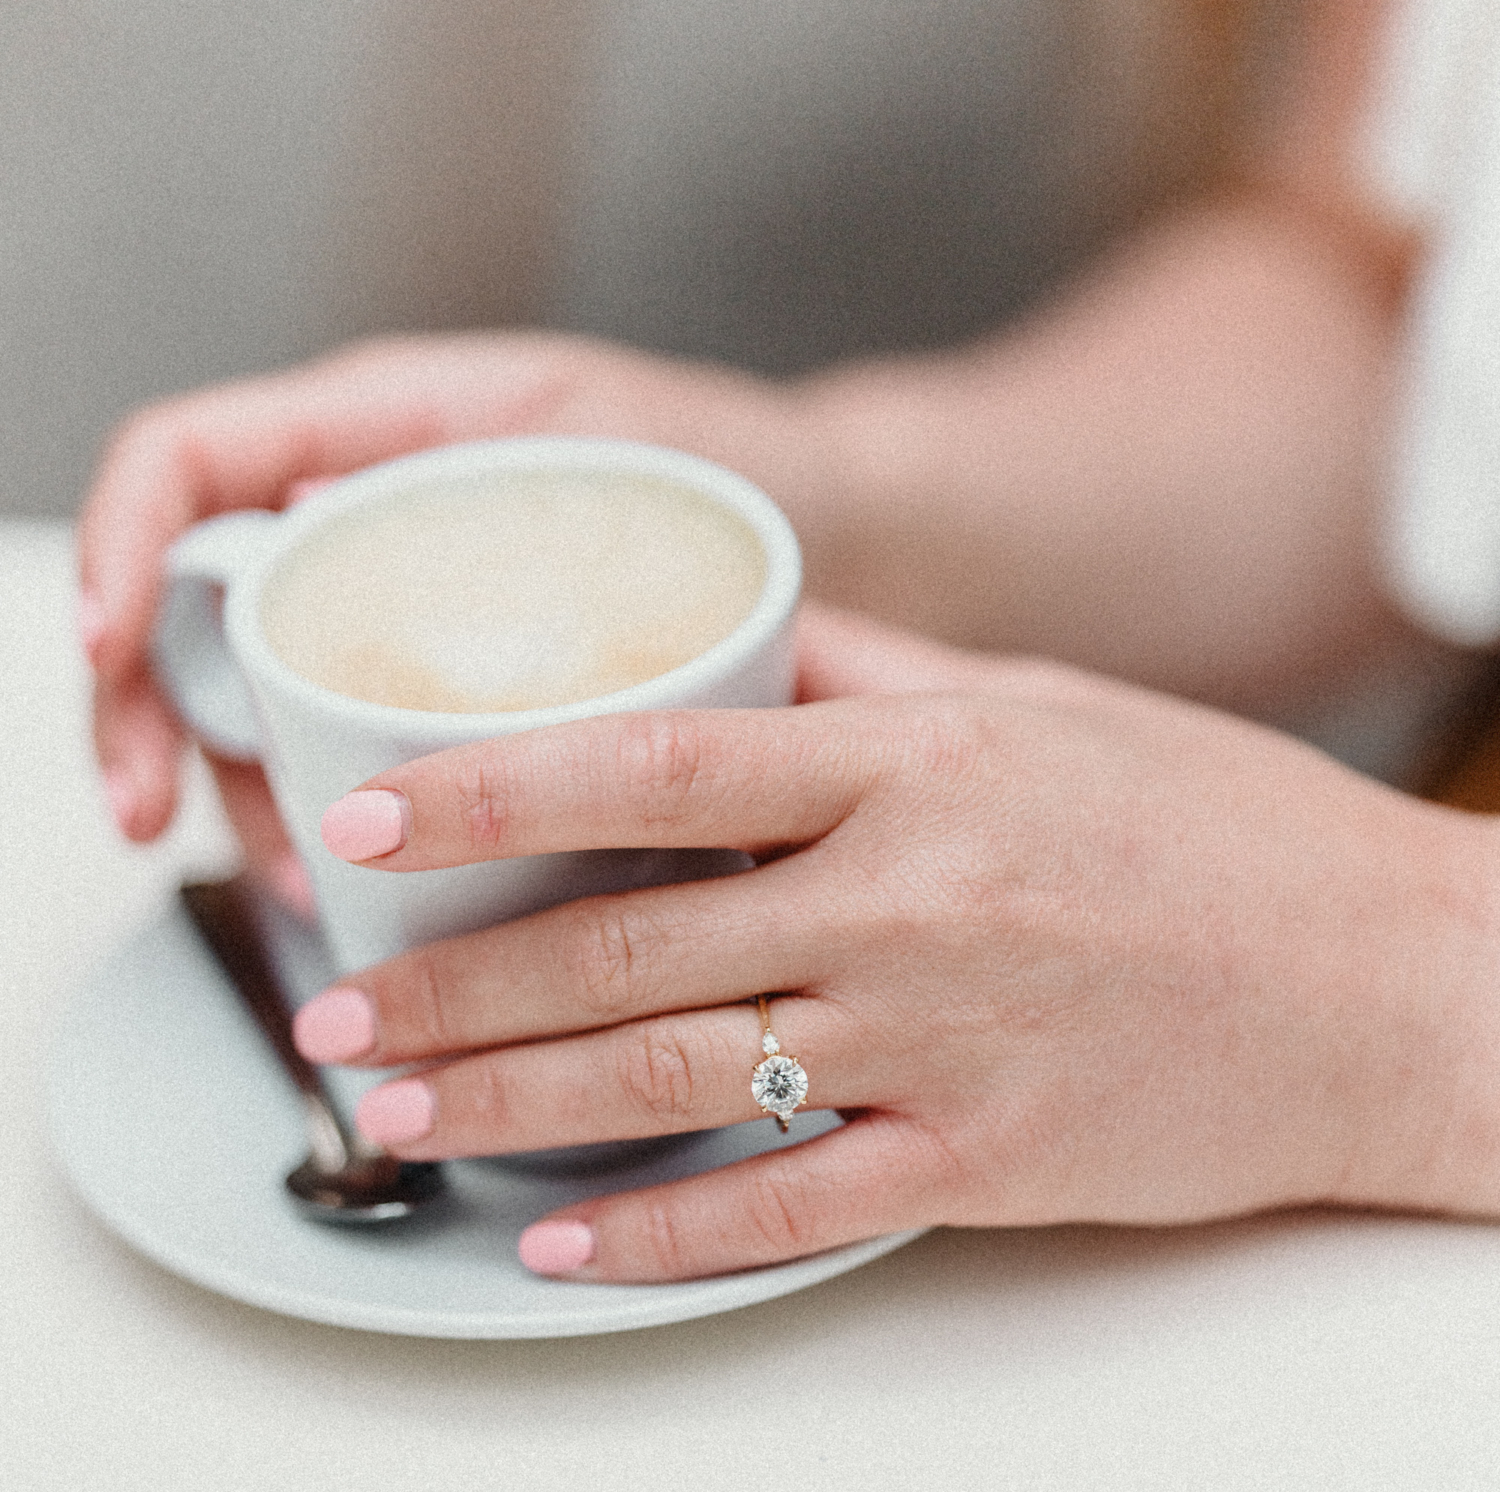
(291, 884)
(120, 792)
(365, 824)
(556, 1247)
(396, 1113)
(90, 625)
(337, 1026)
(301, 491)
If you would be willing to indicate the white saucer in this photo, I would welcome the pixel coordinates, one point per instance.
(176, 1127)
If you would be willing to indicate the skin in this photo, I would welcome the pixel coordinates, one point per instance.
(1170, 475)
(1059, 947)
(1170, 472)
(1141, 962)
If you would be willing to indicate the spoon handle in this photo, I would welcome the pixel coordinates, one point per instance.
(222, 913)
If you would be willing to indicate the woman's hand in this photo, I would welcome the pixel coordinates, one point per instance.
(1056, 948)
(1167, 477)
(258, 443)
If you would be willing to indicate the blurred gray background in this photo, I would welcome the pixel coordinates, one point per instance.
(190, 191)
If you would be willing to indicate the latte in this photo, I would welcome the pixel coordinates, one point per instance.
(514, 591)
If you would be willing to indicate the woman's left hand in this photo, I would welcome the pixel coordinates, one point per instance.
(1056, 948)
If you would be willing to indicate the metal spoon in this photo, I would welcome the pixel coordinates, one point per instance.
(344, 1179)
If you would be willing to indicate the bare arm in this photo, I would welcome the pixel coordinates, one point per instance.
(1172, 475)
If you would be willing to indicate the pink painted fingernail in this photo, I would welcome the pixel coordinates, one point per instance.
(119, 790)
(291, 884)
(396, 1113)
(301, 491)
(365, 824)
(556, 1247)
(338, 1026)
(90, 625)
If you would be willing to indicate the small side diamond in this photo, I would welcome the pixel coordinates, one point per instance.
(769, 1045)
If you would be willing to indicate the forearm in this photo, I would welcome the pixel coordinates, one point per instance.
(1172, 477)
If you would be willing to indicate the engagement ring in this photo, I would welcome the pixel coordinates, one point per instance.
(778, 1084)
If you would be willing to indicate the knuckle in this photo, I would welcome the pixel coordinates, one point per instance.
(946, 746)
(776, 1213)
(483, 794)
(609, 948)
(662, 760)
(149, 421)
(491, 1098)
(426, 1007)
(168, 436)
(662, 1243)
(656, 1073)
(145, 429)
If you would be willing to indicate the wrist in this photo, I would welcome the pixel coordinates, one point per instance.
(1429, 1129)
(894, 525)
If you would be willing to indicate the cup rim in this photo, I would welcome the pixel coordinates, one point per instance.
(772, 609)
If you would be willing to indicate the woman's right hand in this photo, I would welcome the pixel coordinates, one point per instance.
(257, 442)
(1059, 950)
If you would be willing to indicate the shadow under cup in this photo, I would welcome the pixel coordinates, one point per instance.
(316, 744)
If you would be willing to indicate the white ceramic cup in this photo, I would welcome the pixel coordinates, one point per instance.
(316, 745)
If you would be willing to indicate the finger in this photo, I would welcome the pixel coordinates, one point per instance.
(139, 743)
(241, 445)
(269, 856)
(841, 653)
(577, 967)
(739, 779)
(876, 1175)
(669, 1075)
(245, 444)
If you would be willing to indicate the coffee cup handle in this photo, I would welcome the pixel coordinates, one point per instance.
(189, 650)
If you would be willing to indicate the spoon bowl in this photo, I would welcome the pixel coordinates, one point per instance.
(380, 1189)
(344, 1179)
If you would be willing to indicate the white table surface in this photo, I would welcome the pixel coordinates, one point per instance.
(1296, 1351)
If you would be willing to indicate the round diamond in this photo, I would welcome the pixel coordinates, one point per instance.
(769, 1045)
(779, 1085)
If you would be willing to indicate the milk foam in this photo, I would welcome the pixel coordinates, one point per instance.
(514, 591)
